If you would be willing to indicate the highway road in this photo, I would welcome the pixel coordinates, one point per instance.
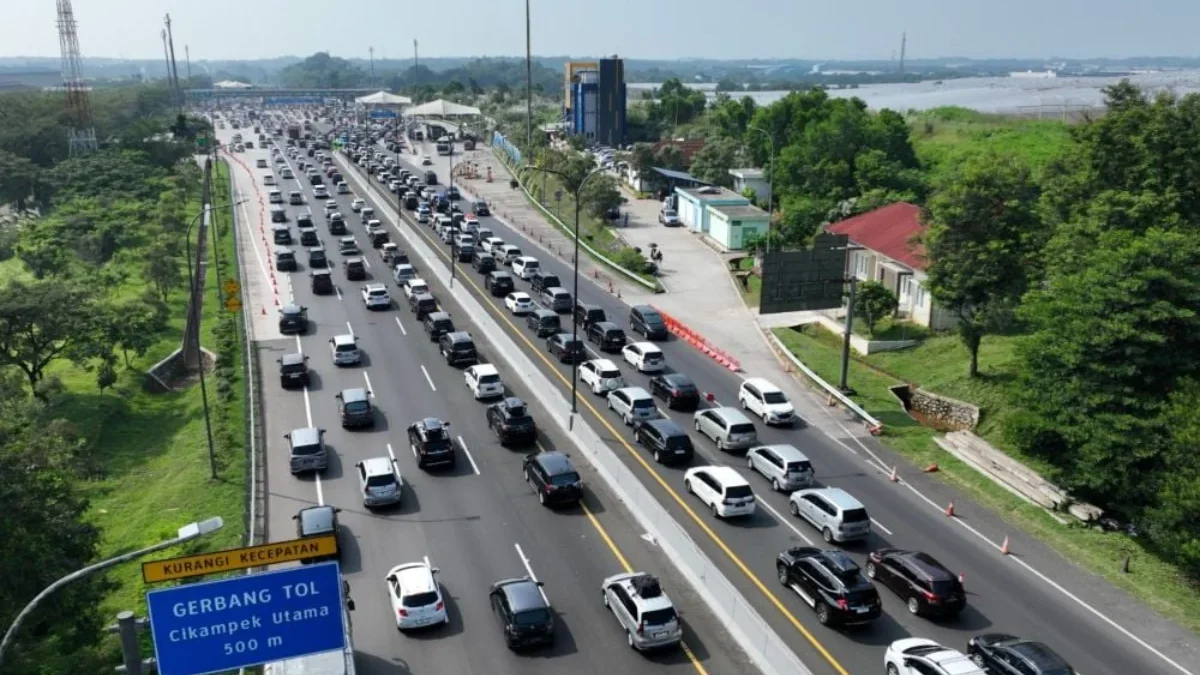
(1005, 594)
(478, 523)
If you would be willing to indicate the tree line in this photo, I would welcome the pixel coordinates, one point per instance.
(99, 225)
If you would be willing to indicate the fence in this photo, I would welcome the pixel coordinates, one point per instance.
(874, 425)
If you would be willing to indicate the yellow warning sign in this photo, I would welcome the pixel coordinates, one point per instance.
(233, 304)
(239, 559)
(232, 287)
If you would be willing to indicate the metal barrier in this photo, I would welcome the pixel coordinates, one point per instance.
(873, 425)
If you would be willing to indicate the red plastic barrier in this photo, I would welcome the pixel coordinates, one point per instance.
(696, 340)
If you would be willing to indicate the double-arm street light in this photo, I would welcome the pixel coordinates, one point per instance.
(771, 184)
(186, 533)
(194, 308)
(578, 192)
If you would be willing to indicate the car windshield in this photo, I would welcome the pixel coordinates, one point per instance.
(653, 357)
(679, 442)
(532, 617)
(741, 429)
(643, 404)
(946, 587)
(346, 348)
(670, 213)
(610, 374)
(357, 406)
(774, 397)
(419, 599)
(306, 450)
(659, 617)
(799, 467)
(383, 480)
(568, 478)
(377, 292)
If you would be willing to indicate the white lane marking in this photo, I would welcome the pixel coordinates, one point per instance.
(320, 493)
(299, 346)
(779, 516)
(532, 576)
(427, 563)
(401, 326)
(391, 453)
(307, 407)
(370, 389)
(253, 242)
(366, 262)
(291, 289)
(880, 526)
(463, 445)
(338, 291)
(428, 379)
(350, 328)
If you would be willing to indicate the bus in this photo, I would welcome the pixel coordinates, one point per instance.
(445, 146)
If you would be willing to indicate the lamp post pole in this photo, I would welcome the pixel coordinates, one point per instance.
(186, 533)
(771, 183)
(577, 193)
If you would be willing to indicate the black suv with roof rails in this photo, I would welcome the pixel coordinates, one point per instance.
(540, 281)
(511, 421)
(523, 611)
(553, 478)
(429, 440)
(831, 583)
(923, 583)
(666, 440)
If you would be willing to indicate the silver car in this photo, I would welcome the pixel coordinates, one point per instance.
(643, 609)
(380, 482)
(784, 465)
(633, 404)
(833, 511)
(727, 427)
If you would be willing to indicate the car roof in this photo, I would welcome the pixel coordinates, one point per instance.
(354, 394)
(378, 466)
(556, 290)
(520, 294)
(636, 393)
(646, 347)
(555, 462)
(431, 423)
(375, 287)
(458, 336)
(345, 338)
(511, 402)
(786, 451)
(522, 594)
(542, 313)
(317, 519)
(424, 296)
(485, 369)
(604, 364)
(730, 414)
(928, 566)
(437, 316)
(291, 309)
(725, 474)
(762, 384)
(666, 427)
(838, 497)
(677, 379)
(291, 359)
(414, 578)
(660, 601)
(1036, 653)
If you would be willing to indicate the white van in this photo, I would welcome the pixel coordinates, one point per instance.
(275, 197)
(525, 266)
(722, 489)
(269, 179)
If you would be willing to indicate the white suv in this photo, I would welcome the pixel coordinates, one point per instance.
(722, 490)
(767, 401)
(643, 610)
(601, 375)
(484, 381)
(345, 350)
(416, 596)
(375, 296)
(921, 656)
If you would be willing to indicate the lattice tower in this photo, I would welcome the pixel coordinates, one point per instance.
(82, 133)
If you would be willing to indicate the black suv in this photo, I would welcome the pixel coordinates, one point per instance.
(607, 335)
(438, 324)
(430, 442)
(356, 270)
(293, 319)
(481, 208)
(541, 281)
(524, 613)
(317, 258)
(293, 370)
(1002, 653)
(553, 478)
(923, 583)
(458, 349)
(567, 347)
(483, 262)
(646, 320)
(322, 282)
(499, 283)
(832, 583)
(677, 390)
(586, 315)
(285, 259)
(666, 440)
(318, 521)
(355, 409)
(308, 236)
(337, 224)
(543, 322)
(511, 421)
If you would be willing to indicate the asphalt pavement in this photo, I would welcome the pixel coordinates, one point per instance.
(1004, 594)
(478, 523)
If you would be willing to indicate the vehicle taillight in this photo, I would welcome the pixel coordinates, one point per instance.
(548, 489)
(440, 606)
(842, 604)
(931, 597)
(402, 613)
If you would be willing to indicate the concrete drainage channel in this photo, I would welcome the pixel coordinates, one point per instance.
(760, 642)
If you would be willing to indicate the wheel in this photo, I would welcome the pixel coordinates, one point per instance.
(871, 571)
(823, 615)
(696, 425)
(891, 670)
(657, 457)
(628, 420)
(764, 418)
(629, 639)
(750, 463)
(978, 659)
(743, 402)
(542, 498)
(715, 512)
(525, 473)
(687, 485)
(793, 508)
(775, 485)
(827, 535)
(605, 597)
(914, 607)
(610, 405)
(783, 575)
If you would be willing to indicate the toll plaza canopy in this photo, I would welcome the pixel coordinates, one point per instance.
(383, 98)
(442, 108)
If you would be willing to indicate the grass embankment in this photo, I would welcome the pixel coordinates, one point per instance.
(152, 448)
(939, 364)
(944, 137)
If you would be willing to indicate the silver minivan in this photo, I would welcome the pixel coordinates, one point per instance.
(633, 404)
(833, 511)
(643, 609)
(784, 465)
(307, 450)
(727, 427)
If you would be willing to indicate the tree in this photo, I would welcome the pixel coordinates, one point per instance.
(600, 195)
(17, 179)
(41, 322)
(162, 268)
(712, 163)
(873, 302)
(669, 156)
(642, 159)
(983, 236)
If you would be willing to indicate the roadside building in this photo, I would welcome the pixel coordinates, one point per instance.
(886, 248)
(724, 216)
(596, 108)
(755, 179)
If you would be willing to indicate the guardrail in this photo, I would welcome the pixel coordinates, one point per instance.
(873, 425)
(569, 231)
(698, 341)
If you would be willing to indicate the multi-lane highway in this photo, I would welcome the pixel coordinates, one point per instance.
(1004, 594)
(478, 523)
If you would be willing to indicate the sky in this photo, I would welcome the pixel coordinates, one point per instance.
(649, 29)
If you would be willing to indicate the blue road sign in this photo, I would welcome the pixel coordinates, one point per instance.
(292, 100)
(382, 115)
(247, 620)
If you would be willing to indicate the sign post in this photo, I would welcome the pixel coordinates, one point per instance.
(243, 621)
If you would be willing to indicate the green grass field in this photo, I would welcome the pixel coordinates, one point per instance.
(945, 137)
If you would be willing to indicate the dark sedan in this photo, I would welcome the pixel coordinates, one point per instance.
(677, 389)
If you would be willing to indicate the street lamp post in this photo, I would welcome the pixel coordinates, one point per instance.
(186, 533)
(195, 307)
(771, 184)
(578, 192)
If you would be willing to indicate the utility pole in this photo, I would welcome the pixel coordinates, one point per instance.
(528, 82)
(843, 386)
(167, 60)
(903, 47)
(187, 55)
(416, 65)
(371, 51)
(174, 67)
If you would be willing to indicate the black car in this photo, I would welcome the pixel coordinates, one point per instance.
(523, 611)
(304, 220)
(677, 389)
(422, 305)
(607, 335)
(318, 521)
(666, 440)
(356, 269)
(317, 258)
(429, 440)
(483, 262)
(438, 324)
(511, 421)
(285, 260)
(308, 237)
(293, 319)
(553, 478)
(567, 347)
(481, 208)
(540, 281)
(458, 349)
(431, 178)
(586, 315)
(648, 321)
(1005, 654)
(322, 281)
(453, 194)
(923, 583)
(499, 283)
(337, 225)
(831, 583)
(293, 370)
(355, 409)
(543, 322)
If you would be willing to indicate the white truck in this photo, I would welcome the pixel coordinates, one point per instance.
(327, 663)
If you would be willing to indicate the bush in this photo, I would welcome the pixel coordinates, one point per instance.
(631, 260)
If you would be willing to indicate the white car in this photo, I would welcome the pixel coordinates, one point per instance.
(357, 205)
(416, 596)
(286, 173)
(403, 272)
(414, 286)
(519, 303)
(525, 266)
(375, 296)
(343, 189)
(470, 223)
(484, 381)
(330, 205)
(721, 489)
(921, 656)
(491, 243)
(320, 192)
(645, 357)
(767, 401)
(426, 160)
(601, 376)
(423, 216)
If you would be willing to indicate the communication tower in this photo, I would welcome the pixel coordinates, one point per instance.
(82, 133)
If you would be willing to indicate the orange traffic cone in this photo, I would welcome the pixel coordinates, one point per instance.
(894, 478)
(950, 509)
(264, 310)
(1004, 547)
